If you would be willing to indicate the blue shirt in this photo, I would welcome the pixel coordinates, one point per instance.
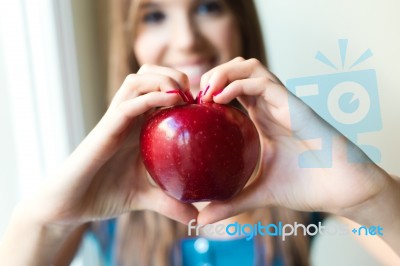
(196, 251)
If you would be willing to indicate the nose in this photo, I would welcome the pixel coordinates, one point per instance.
(185, 35)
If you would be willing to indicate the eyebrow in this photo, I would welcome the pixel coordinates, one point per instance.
(149, 4)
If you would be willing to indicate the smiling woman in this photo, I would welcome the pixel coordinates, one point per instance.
(158, 48)
(192, 37)
(207, 29)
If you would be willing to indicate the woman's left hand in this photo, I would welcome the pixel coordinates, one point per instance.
(283, 129)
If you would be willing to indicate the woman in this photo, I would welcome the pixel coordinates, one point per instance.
(192, 45)
(191, 37)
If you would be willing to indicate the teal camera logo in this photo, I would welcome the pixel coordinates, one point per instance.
(347, 99)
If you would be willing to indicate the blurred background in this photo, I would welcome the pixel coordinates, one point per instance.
(53, 79)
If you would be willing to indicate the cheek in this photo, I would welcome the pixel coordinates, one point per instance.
(148, 48)
(225, 37)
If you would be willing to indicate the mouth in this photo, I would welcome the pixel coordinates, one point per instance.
(195, 70)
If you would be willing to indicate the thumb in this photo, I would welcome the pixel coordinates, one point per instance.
(252, 197)
(156, 200)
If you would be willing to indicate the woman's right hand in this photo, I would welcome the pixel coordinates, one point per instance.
(104, 177)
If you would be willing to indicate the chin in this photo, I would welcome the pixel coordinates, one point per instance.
(194, 89)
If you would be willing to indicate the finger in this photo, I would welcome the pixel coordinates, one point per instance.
(181, 78)
(288, 110)
(221, 76)
(156, 200)
(105, 139)
(274, 94)
(136, 85)
(206, 76)
(130, 109)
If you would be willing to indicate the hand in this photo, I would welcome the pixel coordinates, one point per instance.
(281, 181)
(104, 177)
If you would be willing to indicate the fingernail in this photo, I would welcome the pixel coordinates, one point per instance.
(189, 96)
(198, 99)
(216, 93)
(181, 93)
(173, 91)
(205, 92)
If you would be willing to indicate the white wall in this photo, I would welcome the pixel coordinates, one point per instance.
(40, 108)
(91, 56)
(296, 30)
(8, 167)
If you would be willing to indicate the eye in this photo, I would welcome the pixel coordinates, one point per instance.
(209, 7)
(153, 17)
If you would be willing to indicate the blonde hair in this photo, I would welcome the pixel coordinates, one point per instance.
(144, 237)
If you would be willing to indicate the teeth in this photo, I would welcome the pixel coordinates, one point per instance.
(194, 72)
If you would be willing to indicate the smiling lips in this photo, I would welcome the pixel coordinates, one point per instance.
(194, 71)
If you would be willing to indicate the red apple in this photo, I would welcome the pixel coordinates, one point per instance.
(200, 151)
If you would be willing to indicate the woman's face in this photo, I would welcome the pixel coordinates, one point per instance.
(189, 35)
